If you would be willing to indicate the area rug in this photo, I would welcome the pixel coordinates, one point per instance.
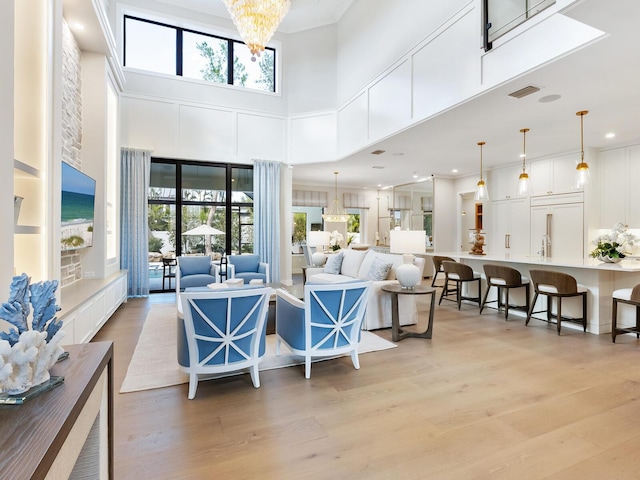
(154, 364)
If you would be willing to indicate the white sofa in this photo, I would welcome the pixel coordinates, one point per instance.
(357, 264)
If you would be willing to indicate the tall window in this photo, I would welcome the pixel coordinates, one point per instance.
(163, 48)
(192, 194)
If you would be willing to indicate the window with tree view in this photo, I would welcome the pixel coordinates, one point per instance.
(215, 197)
(164, 48)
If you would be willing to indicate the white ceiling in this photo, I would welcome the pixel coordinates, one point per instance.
(303, 14)
(601, 77)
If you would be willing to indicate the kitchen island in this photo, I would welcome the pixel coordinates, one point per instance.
(601, 279)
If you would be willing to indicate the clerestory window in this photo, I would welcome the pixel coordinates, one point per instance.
(162, 48)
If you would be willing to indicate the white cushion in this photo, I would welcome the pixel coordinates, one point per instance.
(328, 278)
(501, 281)
(455, 276)
(334, 263)
(622, 294)
(385, 257)
(550, 289)
(351, 262)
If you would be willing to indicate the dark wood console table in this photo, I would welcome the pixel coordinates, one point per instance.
(44, 437)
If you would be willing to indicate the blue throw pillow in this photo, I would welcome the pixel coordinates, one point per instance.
(379, 270)
(334, 263)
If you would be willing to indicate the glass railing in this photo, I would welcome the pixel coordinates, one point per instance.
(503, 16)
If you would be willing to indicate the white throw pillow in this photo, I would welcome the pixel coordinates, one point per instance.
(334, 262)
(379, 270)
(351, 261)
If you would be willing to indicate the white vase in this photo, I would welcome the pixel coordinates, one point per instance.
(606, 259)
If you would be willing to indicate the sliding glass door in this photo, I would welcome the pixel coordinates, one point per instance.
(214, 212)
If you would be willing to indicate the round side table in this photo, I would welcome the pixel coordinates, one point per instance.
(398, 333)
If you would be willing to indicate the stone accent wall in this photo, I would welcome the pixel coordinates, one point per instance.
(70, 265)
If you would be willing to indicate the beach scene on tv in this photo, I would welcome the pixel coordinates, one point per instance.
(78, 197)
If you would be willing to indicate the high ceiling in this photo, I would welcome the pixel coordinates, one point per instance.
(601, 77)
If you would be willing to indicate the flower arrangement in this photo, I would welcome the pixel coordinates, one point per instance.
(32, 346)
(613, 246)
(335, 239)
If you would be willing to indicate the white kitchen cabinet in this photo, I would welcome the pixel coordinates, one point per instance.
(613, 192)
(503, 182)
(562, 219)
(553, 176)
(632, 178)
(510, 226)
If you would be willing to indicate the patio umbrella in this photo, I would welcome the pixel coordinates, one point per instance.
(204, 230)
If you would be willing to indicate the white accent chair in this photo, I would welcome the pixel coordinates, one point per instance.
(326, 324)
(222, 331)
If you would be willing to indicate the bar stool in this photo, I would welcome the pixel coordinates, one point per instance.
(504, 279)
(459, 274)
(168, 270)
(437, 267)
(557, 285)
(630, 296)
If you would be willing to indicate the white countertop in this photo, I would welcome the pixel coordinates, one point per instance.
(626, 265)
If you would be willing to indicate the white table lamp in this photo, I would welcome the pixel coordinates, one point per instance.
(318, 239)
(407, 242)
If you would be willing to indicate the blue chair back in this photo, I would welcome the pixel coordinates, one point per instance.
(245, 263)
(334, 314)
(222, 331)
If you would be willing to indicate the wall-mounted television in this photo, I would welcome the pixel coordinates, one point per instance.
(78, 203)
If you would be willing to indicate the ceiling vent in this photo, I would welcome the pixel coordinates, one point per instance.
(377, 152)
(379, 167)
(523, 92)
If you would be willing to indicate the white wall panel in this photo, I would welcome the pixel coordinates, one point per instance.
(313, 138)
(353, 125)
(206, 133)
(390, 102)
(446, 70)
(553, 37)
(373, 34)
(260, 137)
(149, 124)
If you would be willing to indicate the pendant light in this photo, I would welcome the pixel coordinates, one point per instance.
(481, 188)
(582, 169)
(336, 213)
(523, 180)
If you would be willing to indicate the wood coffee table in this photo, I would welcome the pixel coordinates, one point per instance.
(398, 333)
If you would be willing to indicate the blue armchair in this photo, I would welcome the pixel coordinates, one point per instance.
(197, 271)
(249, 267)
(222, 331)
(327, 323)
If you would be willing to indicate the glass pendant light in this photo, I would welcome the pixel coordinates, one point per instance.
(523, 181)
(481, 189)
(336, 213)
(582, 169)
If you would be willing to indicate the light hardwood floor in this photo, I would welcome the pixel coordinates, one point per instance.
(484, 398)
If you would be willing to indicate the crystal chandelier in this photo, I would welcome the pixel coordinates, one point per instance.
(257, 20)
(336, 213)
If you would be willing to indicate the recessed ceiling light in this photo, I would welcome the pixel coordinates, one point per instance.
(610, 135)
(550, 98)
(455, 170)
(415, 175)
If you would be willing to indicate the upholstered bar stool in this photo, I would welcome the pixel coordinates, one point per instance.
(559, 286)
(630, 296)
(459, 274)
(437, 267)
(504, 279)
